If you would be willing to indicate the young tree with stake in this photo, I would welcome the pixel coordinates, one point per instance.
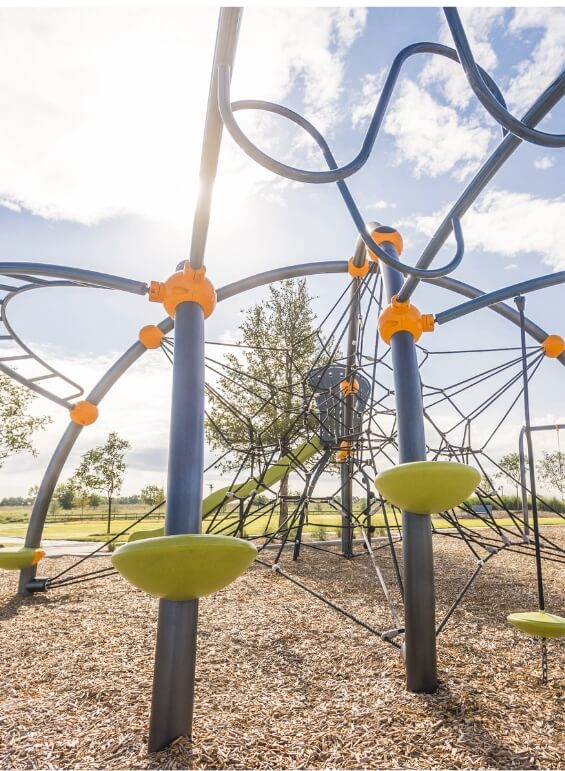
(102, 468)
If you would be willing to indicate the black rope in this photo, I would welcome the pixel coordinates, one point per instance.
(276, 569)
(106, 543)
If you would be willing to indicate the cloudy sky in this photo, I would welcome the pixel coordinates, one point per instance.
(101, 126)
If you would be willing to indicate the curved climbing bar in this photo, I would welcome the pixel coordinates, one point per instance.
(335, 174)
(485, 96)
(490, 298)
(360, 224)
(88, 277)
(543, 104)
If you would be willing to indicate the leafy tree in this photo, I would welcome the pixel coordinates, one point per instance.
(65, 493)
(16, 425)
(102, 468)
(94, 501)
(510, 465)
(265, 381)
(151, 495)
(551, 469)
(82, 492)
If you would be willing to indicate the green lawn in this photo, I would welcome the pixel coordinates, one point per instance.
(95, 529)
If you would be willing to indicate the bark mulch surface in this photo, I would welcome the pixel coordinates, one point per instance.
(283, 680)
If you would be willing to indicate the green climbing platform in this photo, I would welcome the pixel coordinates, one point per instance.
(427, 487)
(538, 623)
(19, 557)
(183, 567)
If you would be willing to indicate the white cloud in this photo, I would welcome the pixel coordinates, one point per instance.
(434, 138)
(383, 205)
(367, 101)
(545, 62)
(544, 163)
(501, 223)
(433, 129)
(102, 109)
(479, 24)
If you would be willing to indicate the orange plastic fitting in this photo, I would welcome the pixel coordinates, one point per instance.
(345, 451)
(187, 285)
(84, 413)
(382, 234)
(38, 556)
(357, 271)
(151, 336)
(404, 317)
(553, 346)
(347, 387)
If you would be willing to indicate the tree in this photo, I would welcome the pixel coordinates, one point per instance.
(265, 382)
(102, 468)
(81, 490)
(65, 493)
(16, 425)
(151, 495)
(510, 465)
(551, 469)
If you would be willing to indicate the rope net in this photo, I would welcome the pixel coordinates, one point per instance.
(285, 499)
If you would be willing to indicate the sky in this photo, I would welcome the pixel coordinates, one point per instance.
(101, 123)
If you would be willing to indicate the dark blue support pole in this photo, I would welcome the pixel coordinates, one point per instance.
(175, 657)
(419, 592)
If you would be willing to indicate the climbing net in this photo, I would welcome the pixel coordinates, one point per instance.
(294, 422)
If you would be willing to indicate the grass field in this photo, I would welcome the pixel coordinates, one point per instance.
(319, 526)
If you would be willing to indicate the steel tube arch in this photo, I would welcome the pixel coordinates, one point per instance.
(524, 287)
(88, 277)
(543, 104)
(120, 367)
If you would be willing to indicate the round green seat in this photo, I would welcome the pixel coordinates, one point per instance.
(538, 623)
(183, 567)
(427, 487)
(19, 557)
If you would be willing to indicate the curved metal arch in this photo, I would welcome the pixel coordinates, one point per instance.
(30, 382)
(120, 367)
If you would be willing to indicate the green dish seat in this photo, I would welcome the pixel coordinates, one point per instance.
(427, 487)
(183, 567)
(19, 557)
(538, 623)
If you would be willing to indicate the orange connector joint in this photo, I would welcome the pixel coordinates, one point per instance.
(404, 317)
(345, 451)
(357, 271)
(38, 556)
(347, 387)
(382, 234)
(553, 346)
(151, 336)
(187, 285)
(84, 413)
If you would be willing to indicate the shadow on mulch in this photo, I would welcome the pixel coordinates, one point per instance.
(15, 603)
(456, 713)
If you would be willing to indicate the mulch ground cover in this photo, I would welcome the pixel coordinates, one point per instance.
(283, 681)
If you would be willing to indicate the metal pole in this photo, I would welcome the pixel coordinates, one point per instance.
(347, 470)
(524, 486)
(224, 53)
(419, 593)
(175, 657)
(520, 304)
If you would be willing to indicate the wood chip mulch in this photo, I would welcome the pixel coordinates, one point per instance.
(284, 681)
